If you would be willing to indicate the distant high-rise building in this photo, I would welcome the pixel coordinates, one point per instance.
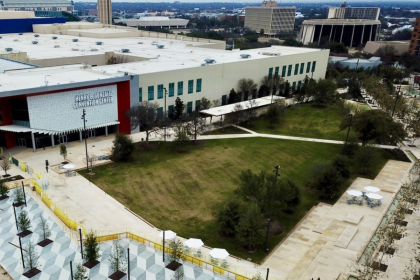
(415, 40)
(105, 11)
(354, 13)
(270, 18)
(37, 5)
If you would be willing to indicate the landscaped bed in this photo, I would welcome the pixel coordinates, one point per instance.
(182, 192)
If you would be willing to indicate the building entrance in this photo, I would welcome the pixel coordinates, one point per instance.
(21, 142)
(91, 133)
(62, 139)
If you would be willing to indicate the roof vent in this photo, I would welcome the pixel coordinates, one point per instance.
(99, 43)
(160, 46)
(20, 33)
(9, 49)
(271, 53)
(140, 42)
(245, 55)
(125, 50)
(154, 43)
(34, 42)
(15, 40)
(75, 40)
(74, 49)
(56, 46)
(203, 64)
(54, 37)
(209, 60)
(94, 50)
(36, 35)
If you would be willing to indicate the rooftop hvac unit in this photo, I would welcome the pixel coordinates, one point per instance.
(99, 43)
(154, 43)
(54, 37)
(9, 49)
(209, 60)
(125, 50)
(34, 42)
(56, 46)
(15, 40)
(36, 35)
(94, 50)
(245, 55)
(75, 40)
(271, 53)
(160, 46)
(20, 33)
(140, 42)
(74, 49)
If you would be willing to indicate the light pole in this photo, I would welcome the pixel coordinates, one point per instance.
(84, 130)
(164, 136)
(276, 169)
(348, 131)
(396, 100)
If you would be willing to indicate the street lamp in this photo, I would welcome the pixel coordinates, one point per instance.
(396, 100)
(348, 131)
(276, 169)
(84, 130)
(164, 136)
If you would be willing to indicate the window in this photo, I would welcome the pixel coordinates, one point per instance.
(189, 107)
(151, 93)
(197, 105)
(294, 86)
(276, 72)
(170, 110)
(283, 71)
(299, 85)
(313, 66)
(198, 87)
(270, 72)
(308, 67)
(289, 70)
(302, 66)
(224, 98)
(190, 86)
(296, 68)
(180, 88)
(160, 112)
(140, 95)
(171, 89)
(160, 92)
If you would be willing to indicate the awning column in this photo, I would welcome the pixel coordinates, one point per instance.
(33, 141)
(52, 141)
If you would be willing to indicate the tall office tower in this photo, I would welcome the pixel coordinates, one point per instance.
(105, 11)
(415, 40)
(354, 13)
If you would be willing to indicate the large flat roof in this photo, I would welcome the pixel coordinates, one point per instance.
(341, 21)
(176, 54)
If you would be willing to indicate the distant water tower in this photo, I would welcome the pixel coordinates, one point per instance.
(105, 11)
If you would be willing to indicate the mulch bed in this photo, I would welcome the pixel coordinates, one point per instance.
(31, 273)
(116, 275)
(90, 264)
(276, 228)
(18, 204)
(24, 233)
(45, 242)
(389, 251)
(173, 265)
(4, 197)
(152, 146)
(409, 211)
(382, 267)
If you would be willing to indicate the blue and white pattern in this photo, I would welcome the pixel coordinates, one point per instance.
(54, 259)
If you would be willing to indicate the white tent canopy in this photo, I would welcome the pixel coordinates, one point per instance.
(194, 243)
(169, 234)
(219, 253)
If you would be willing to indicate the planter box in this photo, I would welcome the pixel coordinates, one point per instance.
(4, 197)
(31, 273)
(24, 233)
(45, 242)
(117, 275)
(90, 265)
(172, 269)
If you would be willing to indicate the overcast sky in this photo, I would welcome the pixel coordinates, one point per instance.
(351, 2)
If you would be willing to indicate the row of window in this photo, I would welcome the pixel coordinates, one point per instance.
(298, 70)
(171, 108)
(171, 90)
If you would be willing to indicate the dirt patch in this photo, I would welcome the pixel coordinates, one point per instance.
(31, 273)
(90, 264)
(45, 242)
(117, 275)
(276, 228)
(144, 147)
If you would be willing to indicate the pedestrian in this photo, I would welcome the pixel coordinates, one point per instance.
(46, 164)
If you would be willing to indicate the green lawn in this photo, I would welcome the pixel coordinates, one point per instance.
(306, 121)
(182, 192)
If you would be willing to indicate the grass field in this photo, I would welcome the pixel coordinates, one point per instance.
(306, 122)
(181, 192)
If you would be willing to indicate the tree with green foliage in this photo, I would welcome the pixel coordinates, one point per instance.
(341, 163)
(18, 195)
(351, 148)
(63, 151)
(45, 230)
(24, 224)
(31, 256)
(181, 136)
(292, 42)
(286, 89)
(366, 158)
(233, 97)
(91, 248)
(228, 218)
(81, 273)
(263, 91)
(336, 47)
(122, 148)
(324, 178)
(290, 195)
(272, 115)
(118, 258)
(4, 191)
(205, 104)
(176, 249)
(322, 91)
(250, 229)
(178, 109)
(261, 32)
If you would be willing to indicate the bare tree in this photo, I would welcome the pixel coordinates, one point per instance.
(91, 160)
(250, 112)
(45, 228)
(118, 258)
(5, 165)
(31, 256)
(145, 117)
(246, 86)
(216, 103)
(194, 124)
(238, 111)
(272, 83)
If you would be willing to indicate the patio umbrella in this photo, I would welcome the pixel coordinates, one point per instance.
(374, 195)
(193, 243)
(372, 189)
(68, 166)
(219, 253)
(354, 192)
(169, 234)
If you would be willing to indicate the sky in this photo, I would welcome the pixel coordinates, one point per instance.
(253, 1)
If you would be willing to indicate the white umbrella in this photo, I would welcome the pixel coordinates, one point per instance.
(169, 234)
(219, 253)
(68, 166)
(374, 195)
(372, 189)
(193, 243)
(354, 193)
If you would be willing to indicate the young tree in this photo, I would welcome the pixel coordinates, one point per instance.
(263, 91)
(31, 256)
(205, 104)
(194, 124)
(228, 218)
(18, 195)
(63, 151)
(322, 91)
(246, 86)
(342, 165)
(216, 103)
(286, 92)
(250, 112)
(176, 250)
(122, 148)
(81, 273)
(91, 161)
(24, 224)
(118, 258)
(5, 165)
(45, 228)
(178, 108)
(181, 134)
(4, 191)
(250, 227)
(290, 195)
(91, 248)
(272, 115)
(145, 117)
(233, 97)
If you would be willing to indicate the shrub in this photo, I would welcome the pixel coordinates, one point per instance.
(91, 248)
(24, 223)
(228, 218)
(290, 193)
(250, 228)
(342, 165)
(4, 191)
(324, 178)
(366, 158)
(123, 147)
